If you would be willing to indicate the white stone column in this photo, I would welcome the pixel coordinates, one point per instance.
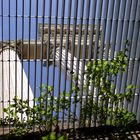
(9, 75)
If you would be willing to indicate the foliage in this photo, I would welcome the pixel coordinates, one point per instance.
(24, 118)
(106, 107)
(52, 136)
(123, 119)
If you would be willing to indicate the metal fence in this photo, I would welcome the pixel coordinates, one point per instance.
(51, 41)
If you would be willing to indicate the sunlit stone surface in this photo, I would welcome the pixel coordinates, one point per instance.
(13, 80)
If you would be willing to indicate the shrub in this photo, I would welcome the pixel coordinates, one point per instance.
(107, 107)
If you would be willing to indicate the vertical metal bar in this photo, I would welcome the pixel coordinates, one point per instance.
(102, 46)
(129, 37)
(22, 45)
(114, 36)
(119, 84)
(42, 44)
(29, 39)
(41, 49)
(16, 49)
(66, 52)
(79, 43)
(90, 50)
(120, 25)
(9, 58)
(138, 92)
(96, 47)
(109, 29)
(111, 12)
(119, 38)
(54, 53)
(126, 24)
(133, 52)
(138, 80)
(113, 44)
(135, 76)
(35, 54)
(72, 54)
(84, 54)
(60, 54)
(138, 88)
(78, 55)
(98, 21)
(114, 27)
(103, 28)
(2, 61)
(48, 45)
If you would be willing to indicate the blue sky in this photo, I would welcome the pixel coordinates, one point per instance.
(33, 13)
(32, 33)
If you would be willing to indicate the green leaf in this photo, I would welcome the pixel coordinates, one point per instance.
(64, 137)
(5, 110)
(42, 112)
(127, 42)
(36, 99)
(51, 136)
(50, 88)
(130, 86)
(45, 138)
